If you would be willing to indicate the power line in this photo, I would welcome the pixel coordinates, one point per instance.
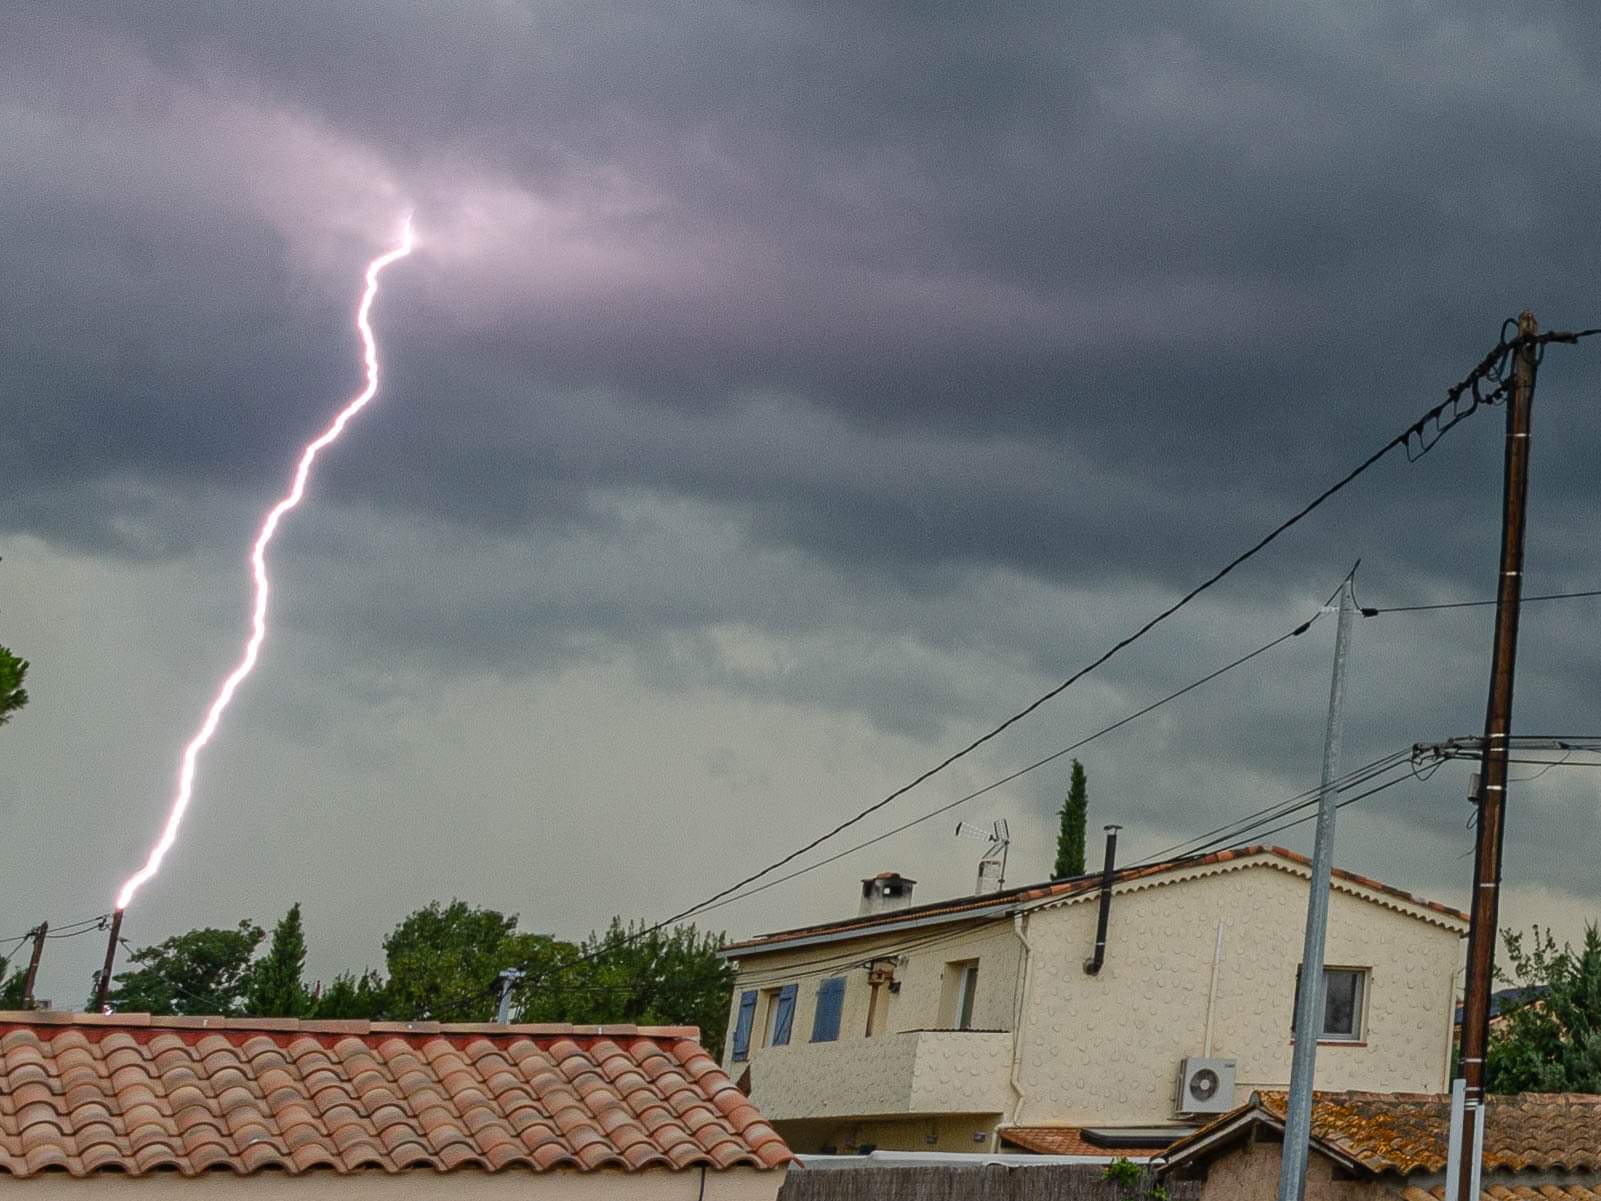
(1549, 596)
(1340, 805)
(1462, 400)
(1232, 828)
(55, 931)
(1023, 771)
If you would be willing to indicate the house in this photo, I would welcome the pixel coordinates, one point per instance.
(1383, 1146)
(267, 1108)
(1504, 1002)
(991, 1021)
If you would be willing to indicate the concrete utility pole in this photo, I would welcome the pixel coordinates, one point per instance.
(1485, 907)
(1310, 1002)
(33, 964)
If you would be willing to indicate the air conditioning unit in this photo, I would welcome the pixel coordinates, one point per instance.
(1206, 1085)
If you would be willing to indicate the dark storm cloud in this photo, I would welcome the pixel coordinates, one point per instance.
(1175, 256)
(885, 359)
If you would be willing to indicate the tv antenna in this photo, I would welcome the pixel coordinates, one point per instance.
(992, 867)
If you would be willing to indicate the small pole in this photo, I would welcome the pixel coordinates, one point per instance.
(104, 986)
(508, 977)
(1453, 1142)
(33, 964)
(1486, 901)
(1309, 1005)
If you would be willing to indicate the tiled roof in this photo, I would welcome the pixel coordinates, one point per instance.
(1500, 1192)
(129, 1093)
(1062, 890)
(1405, 1133)
(1070, 1140)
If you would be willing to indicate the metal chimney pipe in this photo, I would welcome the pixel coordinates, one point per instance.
(1092, 965)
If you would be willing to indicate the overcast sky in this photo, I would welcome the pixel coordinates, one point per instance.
(780, 395)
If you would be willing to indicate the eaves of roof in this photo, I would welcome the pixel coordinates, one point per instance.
(1057, 892)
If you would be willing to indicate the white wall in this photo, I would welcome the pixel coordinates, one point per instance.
(1107, 1048)
(916, 1006)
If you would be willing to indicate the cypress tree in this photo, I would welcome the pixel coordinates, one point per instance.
(1075, 816)
(275, 988)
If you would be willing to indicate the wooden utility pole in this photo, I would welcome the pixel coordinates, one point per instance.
(33, 964)
(1485, 907)
(103, 987)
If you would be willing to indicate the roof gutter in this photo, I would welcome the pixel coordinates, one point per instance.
(1019, 1022)
(746, 950)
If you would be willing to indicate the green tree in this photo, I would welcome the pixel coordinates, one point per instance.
(1551, 1042)
(443, 962)
(11, 991)
(1074, 816)
(637, 975)
(13, 695)
(275, 988)
(353, 996)
(205, 971)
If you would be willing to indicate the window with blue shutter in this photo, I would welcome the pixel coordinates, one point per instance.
(784, 1019)
(742, 1025)
(830, 1004)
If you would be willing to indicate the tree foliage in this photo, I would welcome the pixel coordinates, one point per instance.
(13, 696)
(1074, 817)
(1551, 1042)
(642, 976)
(352, 996)
(11, 987)
(275, 987)
(443, 963)
(206, 971)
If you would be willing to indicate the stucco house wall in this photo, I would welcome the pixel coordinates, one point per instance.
(1103, 1049)
(1106, 1048)
(1252, 1174)
(733, 1185)
(917, 1003)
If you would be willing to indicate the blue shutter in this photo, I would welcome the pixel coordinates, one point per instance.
(830, 1003)
(786, 1014)
(747, 1016)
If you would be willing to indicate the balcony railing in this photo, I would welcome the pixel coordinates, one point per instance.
(912, 1072)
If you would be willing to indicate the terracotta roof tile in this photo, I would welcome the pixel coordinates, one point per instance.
(1499, 1192)
(1406, 1133)
(1556, 1138)
(87, 1093)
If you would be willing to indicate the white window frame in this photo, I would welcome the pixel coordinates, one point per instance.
(770, 1014)
(966, 993)
(1359, 1009)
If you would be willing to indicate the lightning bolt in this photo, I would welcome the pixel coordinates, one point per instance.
(258, 564)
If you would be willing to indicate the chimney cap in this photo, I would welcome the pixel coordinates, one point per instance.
(889, 876)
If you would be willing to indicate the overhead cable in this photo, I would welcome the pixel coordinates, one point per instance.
(1485, 384)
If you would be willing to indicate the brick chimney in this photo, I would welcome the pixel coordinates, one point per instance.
(885, 893)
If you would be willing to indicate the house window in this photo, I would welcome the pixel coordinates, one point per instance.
(961, 989)
(780, 1015)
(1344, 994)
